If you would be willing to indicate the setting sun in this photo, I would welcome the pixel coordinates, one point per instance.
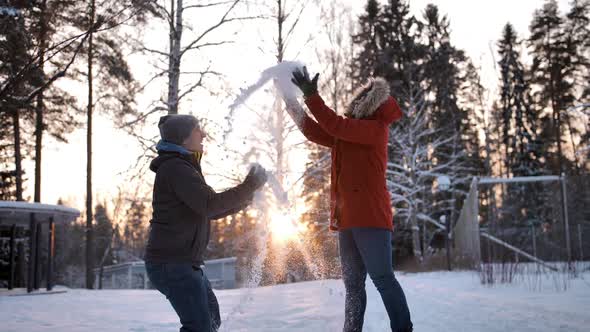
(284, 227)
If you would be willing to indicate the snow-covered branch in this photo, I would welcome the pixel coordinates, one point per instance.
(211, 4)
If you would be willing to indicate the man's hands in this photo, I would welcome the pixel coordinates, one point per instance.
(302, 81)
(257, 176)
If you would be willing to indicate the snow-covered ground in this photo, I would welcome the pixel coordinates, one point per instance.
(439, 301)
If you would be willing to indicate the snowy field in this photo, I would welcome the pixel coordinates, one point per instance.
(439, 301)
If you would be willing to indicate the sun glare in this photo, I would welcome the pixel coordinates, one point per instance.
(284, 227)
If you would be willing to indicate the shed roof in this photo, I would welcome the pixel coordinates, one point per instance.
(19, 213)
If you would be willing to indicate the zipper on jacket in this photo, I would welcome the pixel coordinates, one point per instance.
(337, 184)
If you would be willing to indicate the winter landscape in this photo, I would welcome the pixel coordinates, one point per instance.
(255, 165)
(441, 301)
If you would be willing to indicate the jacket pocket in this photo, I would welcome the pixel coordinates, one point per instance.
(165, 239)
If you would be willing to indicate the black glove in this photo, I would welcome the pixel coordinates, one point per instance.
(307, 86)
(256, 177)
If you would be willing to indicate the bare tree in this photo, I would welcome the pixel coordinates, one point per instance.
(272, 141)
(410, 172)
(169, 61)
(185, 41)
(110, 85)
(20, 82)
(274, 129)
(335, 58)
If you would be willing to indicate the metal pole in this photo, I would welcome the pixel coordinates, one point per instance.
(30, 266)
(534, 241)
(98, 277)
(38, 256)
(580, 242)
(534, 244)
(11, 263)
(50, 254)
(20, 264)
(516, 250)
(566, 220)
(448, 240)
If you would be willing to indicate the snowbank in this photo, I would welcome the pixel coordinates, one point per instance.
(439, 301)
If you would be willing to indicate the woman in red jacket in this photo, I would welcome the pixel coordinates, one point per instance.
(360, 204)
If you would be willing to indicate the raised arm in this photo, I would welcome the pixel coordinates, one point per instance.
(196, 194)
(310, 129)
(352, 130)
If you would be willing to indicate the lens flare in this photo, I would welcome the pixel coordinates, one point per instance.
(284, 226)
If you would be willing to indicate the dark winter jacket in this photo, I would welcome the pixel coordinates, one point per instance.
(359, 195)
(183, 205)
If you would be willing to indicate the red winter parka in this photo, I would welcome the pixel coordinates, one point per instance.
(358, 142)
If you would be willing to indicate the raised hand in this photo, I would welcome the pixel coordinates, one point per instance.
(257, 176)
(301, 79)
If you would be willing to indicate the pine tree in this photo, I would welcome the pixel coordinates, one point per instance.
(519, 122)
(17, 82)
(54, 108)
(104, 235)
(403, 53)
(442, 69)
(366, 62)
(471, 99)
(443, 72)
(135, 232)
(404, 56)
(577, 27)
(109, 82)
(519, 117)
(424, 70)
(552, 73)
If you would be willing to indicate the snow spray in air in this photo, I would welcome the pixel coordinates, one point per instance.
(281, 74)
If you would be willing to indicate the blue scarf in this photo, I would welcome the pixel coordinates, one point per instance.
(171, 147)
(167, 146)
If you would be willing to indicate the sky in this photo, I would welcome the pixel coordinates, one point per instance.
(475, 28)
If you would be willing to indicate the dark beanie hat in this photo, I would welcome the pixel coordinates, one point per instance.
(175, 128)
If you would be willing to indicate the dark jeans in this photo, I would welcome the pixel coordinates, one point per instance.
(365, 250)
(189, 291)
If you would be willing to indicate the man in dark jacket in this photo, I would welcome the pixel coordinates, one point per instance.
(183, 205)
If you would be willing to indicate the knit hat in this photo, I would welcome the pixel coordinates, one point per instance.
(176, 128)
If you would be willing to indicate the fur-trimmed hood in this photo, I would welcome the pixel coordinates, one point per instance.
(367, 99)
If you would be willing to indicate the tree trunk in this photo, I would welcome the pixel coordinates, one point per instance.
(17, 156)
(554, 104)
(89, 214)
(174, 56)
(417, 248)
(16, 124)
(39, 108)
(104, 257)
(38, 146)
(280, 119)
(577, 163)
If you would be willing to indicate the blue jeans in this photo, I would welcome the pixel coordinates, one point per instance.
(189, 291)
(369, 250)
